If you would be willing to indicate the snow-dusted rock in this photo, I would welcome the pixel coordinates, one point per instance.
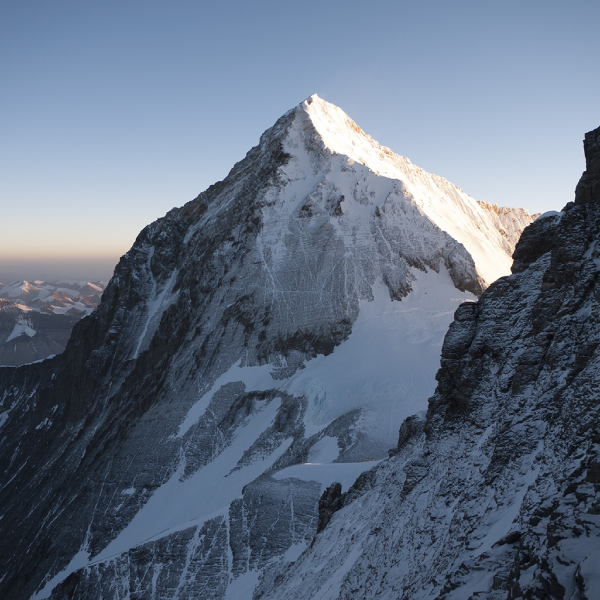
(495, 493)
(510, 222)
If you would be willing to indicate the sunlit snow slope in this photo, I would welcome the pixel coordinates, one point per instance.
(256, 344)
(477, 226)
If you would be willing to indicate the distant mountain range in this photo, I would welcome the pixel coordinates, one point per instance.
(37, 317)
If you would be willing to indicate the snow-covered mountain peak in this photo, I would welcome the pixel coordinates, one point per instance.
(343, 136)
(50, 308)
(265, 339)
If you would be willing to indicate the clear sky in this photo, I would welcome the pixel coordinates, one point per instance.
(113, 112)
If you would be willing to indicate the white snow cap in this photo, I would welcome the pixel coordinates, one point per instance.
(342, 135)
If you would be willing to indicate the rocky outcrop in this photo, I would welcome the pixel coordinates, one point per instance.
(496, 494)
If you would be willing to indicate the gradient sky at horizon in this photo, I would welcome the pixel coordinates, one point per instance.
(115, 112)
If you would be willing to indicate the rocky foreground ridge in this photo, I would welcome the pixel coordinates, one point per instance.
(495, 493)
(292, 313)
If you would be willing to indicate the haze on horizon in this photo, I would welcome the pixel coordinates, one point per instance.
(113, 114)
(57, 269)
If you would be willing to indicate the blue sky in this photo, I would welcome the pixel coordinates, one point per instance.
(114, 112)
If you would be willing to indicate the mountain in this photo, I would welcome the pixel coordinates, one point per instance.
(36, 318)
(292, 313)
(495, 492)
(51, 297)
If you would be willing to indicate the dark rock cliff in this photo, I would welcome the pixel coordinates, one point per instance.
(588, 188)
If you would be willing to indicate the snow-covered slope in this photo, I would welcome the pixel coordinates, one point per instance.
(292, 313)
(494, 493)
(509, 222)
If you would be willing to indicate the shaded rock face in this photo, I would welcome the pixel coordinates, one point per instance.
(495, 494)
(330, 502)
(91, 416)
(143, 461)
